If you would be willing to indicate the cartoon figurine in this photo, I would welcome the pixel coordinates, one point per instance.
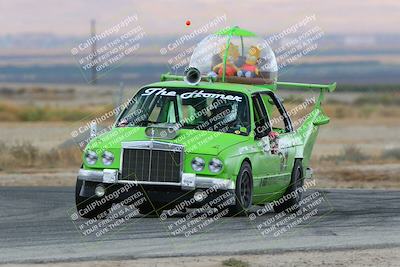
(249, 69)
(230, 68)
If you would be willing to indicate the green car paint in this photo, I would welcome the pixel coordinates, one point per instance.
(271, 172)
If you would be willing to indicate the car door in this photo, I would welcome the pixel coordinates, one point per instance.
(281, 138)
(265, 165)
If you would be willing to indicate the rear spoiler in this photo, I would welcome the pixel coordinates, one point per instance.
(326, 87)
(323, 88)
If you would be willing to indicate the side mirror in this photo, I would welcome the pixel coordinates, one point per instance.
(321, 120)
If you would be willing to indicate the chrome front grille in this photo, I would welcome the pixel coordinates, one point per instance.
(151, 161)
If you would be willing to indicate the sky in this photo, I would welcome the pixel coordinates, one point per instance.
(71, 17)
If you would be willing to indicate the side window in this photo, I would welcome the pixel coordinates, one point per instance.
(278, 118)
(260, 118)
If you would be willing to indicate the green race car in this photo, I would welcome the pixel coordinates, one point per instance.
(209, 135)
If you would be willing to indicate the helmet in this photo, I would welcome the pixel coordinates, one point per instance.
(229, 107)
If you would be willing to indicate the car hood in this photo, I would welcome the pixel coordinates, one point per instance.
(194, 141)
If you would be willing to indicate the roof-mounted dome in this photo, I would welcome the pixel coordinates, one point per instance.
(235, 55)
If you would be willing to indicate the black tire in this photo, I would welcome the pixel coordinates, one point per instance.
(243, 191)
(296, 181)
(82, 203)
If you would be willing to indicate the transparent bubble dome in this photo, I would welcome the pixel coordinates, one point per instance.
(236, 55)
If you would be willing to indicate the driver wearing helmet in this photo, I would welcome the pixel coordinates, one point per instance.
(223, 115)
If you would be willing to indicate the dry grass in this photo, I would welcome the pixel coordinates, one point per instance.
(25, 155)
(383, 176)
(17, 112)
(366, 106)
(344, 111)
(354, 154)
(235, 263)
(349, 153)
(353, 168)
(383, 99)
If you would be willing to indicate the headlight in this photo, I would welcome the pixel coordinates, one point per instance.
(99, 190)
(215, 165)
(198, 164)
(108, 158)
(91, 157)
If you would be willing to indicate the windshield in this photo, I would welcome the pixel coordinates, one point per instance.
(200, 109)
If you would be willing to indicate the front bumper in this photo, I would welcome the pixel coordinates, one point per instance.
(189, 181)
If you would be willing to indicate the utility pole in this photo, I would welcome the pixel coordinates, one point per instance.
(94, 53)
(120, 98)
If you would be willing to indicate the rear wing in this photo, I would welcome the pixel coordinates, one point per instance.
(323, 88)
(326, 87)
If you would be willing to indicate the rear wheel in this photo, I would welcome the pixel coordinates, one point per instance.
(90, 207)
(243, 191)
(293, 195)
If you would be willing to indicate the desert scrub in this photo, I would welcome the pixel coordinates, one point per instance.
(379, 99)
(367, 111)
(349, 153)
(25, 155)
(235, 263)
(391, 153)
(24, 152)
(340, 111)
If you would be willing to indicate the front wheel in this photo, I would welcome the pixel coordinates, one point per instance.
(243, 191)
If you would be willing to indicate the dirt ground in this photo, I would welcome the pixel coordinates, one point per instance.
(365, 257)
(43, 135)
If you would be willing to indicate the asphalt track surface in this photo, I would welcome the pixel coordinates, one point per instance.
(35, 226)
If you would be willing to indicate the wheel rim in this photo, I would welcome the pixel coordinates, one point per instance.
(245, 190)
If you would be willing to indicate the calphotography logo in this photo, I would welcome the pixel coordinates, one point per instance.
(116, 211)
(209, 212)
(106, 50)
(181, 49)
(295, 42)
(306, 211)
